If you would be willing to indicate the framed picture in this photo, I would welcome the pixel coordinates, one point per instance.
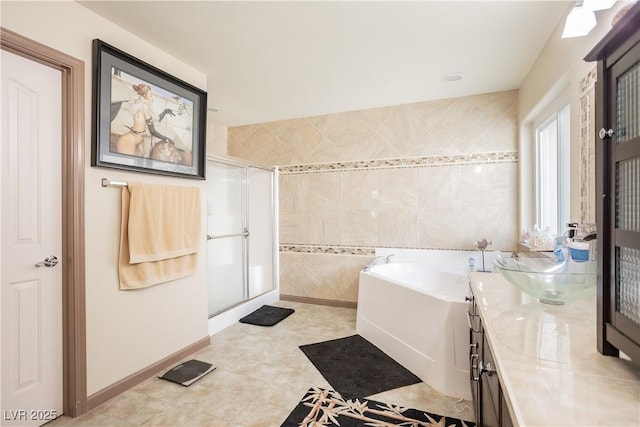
(144, 119)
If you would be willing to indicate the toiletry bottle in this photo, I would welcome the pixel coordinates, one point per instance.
(559, 250)
(472, 264)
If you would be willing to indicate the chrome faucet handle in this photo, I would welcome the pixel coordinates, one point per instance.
(388, 258)
(373, 262)
(482, 244)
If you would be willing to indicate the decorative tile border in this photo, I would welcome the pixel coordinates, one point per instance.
(348, 250)
(328, 249)
(426, 161)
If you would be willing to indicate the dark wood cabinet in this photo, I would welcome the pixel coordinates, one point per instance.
(489, 402)
(618, 186)
(476, 340)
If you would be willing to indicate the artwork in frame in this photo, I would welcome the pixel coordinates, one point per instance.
(144, 119)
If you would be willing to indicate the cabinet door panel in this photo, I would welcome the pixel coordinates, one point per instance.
(625, 189)
(505, 417)
(618, 186)
(489, 410)
(490, 376)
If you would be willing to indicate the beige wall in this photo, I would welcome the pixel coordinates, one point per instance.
(126, 331)
(216, 138)
(559, 68)
(437, 174)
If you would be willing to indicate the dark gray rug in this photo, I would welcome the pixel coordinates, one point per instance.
(267, 315)
(321, 407)
(355, 367)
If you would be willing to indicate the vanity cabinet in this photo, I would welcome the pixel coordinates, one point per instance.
(489, 402)
(618, 186)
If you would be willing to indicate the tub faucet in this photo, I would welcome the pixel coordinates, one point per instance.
(482, 245)
(378, 260)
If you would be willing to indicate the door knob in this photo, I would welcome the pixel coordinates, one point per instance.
(605, 133)
(50, 261)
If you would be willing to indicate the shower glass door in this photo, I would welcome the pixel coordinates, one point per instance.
(241, 233)
(261, 224)
(226, 236)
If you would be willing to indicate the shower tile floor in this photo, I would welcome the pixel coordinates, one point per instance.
(260, 376)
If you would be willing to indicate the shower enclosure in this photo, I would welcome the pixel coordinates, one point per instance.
(241, 232)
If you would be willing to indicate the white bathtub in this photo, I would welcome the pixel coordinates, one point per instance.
(416, 313)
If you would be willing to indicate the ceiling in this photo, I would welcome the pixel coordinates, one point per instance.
(268, 61)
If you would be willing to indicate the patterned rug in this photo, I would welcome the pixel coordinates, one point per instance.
(320, 407)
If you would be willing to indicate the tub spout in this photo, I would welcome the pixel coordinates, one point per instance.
(378, 260)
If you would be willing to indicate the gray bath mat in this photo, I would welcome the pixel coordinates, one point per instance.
(355, 367)
(267, 315)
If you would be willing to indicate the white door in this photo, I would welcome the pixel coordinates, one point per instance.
(31, 298)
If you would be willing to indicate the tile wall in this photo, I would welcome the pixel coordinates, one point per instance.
(437, 174)
(217, 135)
(588, 148)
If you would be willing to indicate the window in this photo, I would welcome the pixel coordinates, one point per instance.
(552, 171)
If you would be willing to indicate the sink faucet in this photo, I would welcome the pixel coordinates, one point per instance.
(588, 237)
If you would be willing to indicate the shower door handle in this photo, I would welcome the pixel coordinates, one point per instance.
(223, 236)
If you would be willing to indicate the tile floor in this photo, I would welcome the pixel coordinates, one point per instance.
(260, 376)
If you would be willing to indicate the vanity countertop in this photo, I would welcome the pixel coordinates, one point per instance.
(547, 361)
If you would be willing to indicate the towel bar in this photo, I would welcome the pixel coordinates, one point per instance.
(108, 183)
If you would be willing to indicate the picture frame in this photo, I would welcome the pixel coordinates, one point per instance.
(144, 119)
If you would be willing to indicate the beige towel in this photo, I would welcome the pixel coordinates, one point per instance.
(159, 234)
